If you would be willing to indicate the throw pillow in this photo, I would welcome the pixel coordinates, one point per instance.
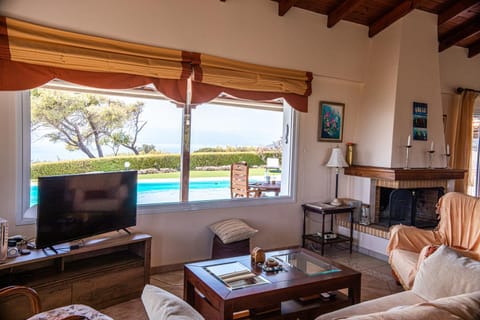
(232, 230)
(446, 273)
(162, 305)
(464, 306)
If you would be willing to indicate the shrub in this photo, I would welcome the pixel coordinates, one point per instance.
(140, 162)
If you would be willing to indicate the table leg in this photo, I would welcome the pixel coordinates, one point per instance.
(304, 221)
(354, 292)
(188, 290)
(351, 230)
(322, 238)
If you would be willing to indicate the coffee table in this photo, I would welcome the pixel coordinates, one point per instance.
(290, 293)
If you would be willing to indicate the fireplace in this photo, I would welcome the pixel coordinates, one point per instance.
(414, 207)
(415, 193)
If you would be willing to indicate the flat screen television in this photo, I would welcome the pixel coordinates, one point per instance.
(72, 207)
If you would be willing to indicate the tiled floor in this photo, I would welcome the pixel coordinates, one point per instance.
(377, 282)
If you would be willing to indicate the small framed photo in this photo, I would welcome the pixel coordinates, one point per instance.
(330, 121)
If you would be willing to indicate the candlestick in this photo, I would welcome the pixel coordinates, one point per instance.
(430, 158)
(409, 142)
(407, 151)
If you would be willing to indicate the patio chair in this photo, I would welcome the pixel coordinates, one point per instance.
(272, 165)
(239, 181)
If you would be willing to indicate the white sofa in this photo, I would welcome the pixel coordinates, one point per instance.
(447, 286)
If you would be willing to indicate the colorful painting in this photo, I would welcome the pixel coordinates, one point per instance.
(330, 122)
(420, 112)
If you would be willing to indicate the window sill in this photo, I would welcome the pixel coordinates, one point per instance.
(209, 204)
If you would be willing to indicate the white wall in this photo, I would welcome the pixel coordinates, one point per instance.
(248, 30)
(418, 81)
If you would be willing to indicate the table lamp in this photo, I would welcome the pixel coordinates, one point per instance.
(336, 161)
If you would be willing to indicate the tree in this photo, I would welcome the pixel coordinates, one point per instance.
(86, 122)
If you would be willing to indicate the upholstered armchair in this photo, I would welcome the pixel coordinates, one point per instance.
(70, 312)
(458, 228)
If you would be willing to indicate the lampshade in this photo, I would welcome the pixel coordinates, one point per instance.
(336, 159)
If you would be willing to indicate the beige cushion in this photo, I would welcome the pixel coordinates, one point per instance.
(464, 306)
(404, 264)
(375, 305)
(446, 273)
(232, 230)
(162, 305)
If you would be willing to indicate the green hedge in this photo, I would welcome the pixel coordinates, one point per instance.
(171, 161)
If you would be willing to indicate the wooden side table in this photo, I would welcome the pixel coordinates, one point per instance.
(328, 237)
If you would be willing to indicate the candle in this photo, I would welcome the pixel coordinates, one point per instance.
(448, 149)
(409, 141)
(432, 146)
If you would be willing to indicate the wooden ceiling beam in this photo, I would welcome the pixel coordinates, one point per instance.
(461, 32)
(474, 49)
(455, 10)
(341, 11)
(393, 15)
(285, 5)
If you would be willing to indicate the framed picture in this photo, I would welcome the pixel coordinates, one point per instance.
(330, 121)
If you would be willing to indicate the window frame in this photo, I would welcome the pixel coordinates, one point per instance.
(24, 161)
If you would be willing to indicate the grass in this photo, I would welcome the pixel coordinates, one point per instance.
(205, 174)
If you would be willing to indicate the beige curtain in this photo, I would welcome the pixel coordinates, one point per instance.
(459, 135)
(214, 75)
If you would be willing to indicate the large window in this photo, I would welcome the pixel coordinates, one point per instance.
(67, 129)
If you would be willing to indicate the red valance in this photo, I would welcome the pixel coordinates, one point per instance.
(31, 55)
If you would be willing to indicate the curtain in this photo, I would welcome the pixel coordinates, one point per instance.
(214, 75)
(31, 55)
(459, 135)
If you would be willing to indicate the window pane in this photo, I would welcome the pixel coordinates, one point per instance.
(241, 133)
(115, 128)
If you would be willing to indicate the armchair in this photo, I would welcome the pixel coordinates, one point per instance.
(70, 312)
(459, 228)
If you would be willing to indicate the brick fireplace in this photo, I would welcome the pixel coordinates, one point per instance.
(415, 191)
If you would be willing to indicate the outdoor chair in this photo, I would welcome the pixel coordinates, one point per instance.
(272, 165)
(239, 181)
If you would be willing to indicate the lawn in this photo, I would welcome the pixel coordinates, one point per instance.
(205, 174)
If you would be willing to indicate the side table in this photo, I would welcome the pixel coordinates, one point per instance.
(328, 237)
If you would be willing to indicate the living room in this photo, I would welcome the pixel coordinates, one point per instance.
(376, 78)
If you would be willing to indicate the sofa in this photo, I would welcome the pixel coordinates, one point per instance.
(458, 228)
(447, 286)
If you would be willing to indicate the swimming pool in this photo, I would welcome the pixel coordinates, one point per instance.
(168, 190)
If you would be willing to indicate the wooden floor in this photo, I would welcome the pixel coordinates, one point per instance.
(377, 282)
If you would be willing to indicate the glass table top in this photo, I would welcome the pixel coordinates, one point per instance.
(306, 263)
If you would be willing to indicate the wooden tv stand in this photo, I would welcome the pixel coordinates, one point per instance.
(109, 269)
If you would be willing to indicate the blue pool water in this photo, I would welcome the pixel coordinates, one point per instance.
(157, 191)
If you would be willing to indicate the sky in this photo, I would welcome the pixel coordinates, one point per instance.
(212, 125)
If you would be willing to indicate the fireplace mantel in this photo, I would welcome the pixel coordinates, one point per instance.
(396, 174)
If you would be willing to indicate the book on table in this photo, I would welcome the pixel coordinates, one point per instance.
(235, 275)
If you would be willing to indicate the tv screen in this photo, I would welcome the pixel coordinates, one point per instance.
(72, 207)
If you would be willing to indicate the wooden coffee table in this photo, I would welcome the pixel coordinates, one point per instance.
(289, 294)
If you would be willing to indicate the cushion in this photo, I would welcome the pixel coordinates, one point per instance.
(464, 306)
(403, 263)
(162, 305)
(446, 273)
(232, 230)
(374, 305)
(79, 310)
